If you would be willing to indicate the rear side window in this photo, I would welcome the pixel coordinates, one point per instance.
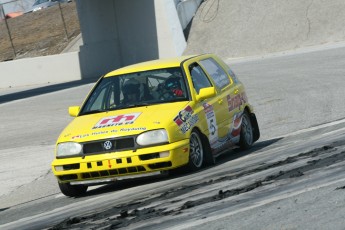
(218, 75)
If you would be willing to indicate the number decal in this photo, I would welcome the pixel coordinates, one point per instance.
(211, 124)
(213, 128)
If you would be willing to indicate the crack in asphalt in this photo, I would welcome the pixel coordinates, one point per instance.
(125, 214)
(308, 19)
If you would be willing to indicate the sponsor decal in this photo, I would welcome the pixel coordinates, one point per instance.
(189, 124)
(236, 125)
(236, 101)
(183, 115)
(133, 129)
(89, 134)
(232, 137)
(99, 133)
(80, 136)
(185, 119)
(124, 119)
(211, 123)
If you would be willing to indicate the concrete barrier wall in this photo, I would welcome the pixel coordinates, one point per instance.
(233, 28)
(170, 37)
(117, 33)
(73, 66)
(40, 70)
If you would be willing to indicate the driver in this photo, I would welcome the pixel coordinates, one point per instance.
(131, 91)
(173, 85)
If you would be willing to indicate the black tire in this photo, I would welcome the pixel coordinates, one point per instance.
(209, 157)
(196, 153)
(247, 132)
(72, 190)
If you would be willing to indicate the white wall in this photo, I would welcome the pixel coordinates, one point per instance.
(39, 70)
(122, 32)
(171, 40)
(115, 33)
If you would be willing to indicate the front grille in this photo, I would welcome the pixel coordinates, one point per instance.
(107, 173)
(160, 165)
(71, 166)
(149, 156)
(68, 177)
(103, 147)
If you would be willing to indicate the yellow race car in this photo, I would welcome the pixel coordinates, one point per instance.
(154, 117)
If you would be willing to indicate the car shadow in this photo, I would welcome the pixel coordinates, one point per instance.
(43, 90)
(224, 158)
(238, 153)
(126, 184)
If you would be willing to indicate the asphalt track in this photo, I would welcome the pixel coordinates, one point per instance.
(293, 177)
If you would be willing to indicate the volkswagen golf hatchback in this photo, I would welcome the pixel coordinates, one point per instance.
(154, 117)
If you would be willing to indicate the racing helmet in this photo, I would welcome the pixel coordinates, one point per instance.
(172, 83)
(131, 86)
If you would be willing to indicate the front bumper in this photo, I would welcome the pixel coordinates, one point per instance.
(109, 166)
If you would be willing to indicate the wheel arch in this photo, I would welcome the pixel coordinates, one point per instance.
(202, 135)
(254, 122)
(209, 159)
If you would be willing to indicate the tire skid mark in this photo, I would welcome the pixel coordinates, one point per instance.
(126, 214)
(281, 175)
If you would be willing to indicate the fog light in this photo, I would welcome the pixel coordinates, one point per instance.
(59, 168)
(164, 154)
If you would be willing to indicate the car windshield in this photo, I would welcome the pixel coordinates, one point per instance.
(137, 89)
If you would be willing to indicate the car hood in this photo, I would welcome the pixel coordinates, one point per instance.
(124, 122)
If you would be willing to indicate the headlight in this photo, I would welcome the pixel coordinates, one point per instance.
(153, 137)
(68, 149)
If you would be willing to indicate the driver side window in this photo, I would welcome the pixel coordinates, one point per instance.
(199, 78)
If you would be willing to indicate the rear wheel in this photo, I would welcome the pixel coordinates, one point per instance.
(72, 190)
(196, 153)
(246, 137)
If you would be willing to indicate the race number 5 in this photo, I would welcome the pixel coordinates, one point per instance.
(212, 127)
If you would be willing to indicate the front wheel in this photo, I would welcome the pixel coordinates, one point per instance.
(246, 136)
(196, 153)
(72, 190)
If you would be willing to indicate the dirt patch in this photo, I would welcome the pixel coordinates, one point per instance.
(39, 33)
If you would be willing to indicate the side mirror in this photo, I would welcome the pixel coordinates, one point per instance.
(205, 93)
(73, 111)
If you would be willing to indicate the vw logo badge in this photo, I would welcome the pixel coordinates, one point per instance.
(107, 145)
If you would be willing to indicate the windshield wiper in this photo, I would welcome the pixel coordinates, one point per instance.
(176, 100)
(132, 105)
(94, 111)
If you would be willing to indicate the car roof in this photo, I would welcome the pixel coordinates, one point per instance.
(150, 65)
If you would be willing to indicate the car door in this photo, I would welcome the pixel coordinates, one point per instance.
(207, 107)
(225, 108)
